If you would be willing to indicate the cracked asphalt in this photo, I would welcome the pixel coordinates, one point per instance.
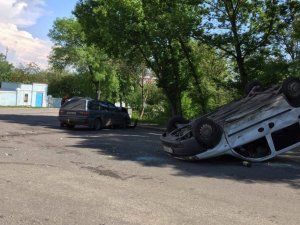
(50, 175)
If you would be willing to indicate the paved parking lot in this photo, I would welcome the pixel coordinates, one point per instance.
(50, 175)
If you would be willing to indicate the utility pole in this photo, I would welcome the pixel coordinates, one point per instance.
(6, 52)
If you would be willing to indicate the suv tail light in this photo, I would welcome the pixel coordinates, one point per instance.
(84, 113)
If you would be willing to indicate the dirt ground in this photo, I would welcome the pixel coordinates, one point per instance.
(50, 175)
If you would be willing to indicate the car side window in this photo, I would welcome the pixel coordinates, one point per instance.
(124, 110)
(112, 107)
(103, 107)
(93, 106)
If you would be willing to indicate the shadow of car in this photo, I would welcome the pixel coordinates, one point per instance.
(255, 128)
(92, 113)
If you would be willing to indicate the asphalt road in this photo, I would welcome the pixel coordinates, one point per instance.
(50, 175)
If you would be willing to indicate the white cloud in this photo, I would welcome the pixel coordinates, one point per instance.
(22, 13)
(22, 46)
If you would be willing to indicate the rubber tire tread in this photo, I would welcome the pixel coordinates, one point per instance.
(215, 136)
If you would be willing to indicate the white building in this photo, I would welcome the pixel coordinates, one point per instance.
(17, 94)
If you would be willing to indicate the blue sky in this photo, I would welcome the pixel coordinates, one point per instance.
(55, 9)
(24, 26)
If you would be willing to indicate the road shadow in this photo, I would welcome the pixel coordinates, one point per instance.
(31, 120)
(143, 146)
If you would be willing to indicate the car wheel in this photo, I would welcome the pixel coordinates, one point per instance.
(291, 88)
(62, 124)
(70, 126)
(174, 121)
(207, 133)
(250, 85)
(124, 122)
(97, 124)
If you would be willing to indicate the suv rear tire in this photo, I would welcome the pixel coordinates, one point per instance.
(97, 124)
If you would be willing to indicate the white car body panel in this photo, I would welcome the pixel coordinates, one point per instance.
(260, 121)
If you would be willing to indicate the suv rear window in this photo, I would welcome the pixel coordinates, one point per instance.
(76, 104)
(93, 105)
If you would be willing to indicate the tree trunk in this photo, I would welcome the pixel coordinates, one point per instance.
(143, 97)
(231, 12)
(98, 91)
(186, 51)
(241, 67)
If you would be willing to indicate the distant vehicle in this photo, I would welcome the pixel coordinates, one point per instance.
(257, 127)
(92, 113)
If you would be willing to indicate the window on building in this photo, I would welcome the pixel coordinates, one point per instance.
(26, 98)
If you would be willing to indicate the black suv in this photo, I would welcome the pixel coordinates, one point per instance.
(92, 113)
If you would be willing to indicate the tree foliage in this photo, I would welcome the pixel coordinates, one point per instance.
(202, 52)
(6, 68)
(152, 30)
(240, 29)
(71, 51)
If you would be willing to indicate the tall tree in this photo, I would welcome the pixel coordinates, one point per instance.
(6, 68)
(290, 12)
(153, 30)
(240, 28)
(72, 51)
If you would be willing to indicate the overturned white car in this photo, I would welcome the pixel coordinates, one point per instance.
(257, 127)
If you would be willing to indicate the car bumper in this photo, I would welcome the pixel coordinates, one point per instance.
(180, 148)
(74, 120)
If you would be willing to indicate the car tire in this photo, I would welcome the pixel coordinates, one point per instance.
(291, 88)
(97, 124)
(207, 133)
(174, 121)
(250, 85)
(125, 122)
(70, 126)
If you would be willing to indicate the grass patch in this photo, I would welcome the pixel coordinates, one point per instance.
(160, 121)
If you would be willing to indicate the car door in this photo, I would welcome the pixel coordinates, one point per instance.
(93, 108)
(105, 114)
(113, 114)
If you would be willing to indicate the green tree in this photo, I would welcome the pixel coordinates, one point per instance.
(155, 31)
(290, 11)
(240, 29)
(214, 78)
(280, 58)
(29, 74)
(6, 68)
(71, 51)
(296, 33)
(68, 83)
